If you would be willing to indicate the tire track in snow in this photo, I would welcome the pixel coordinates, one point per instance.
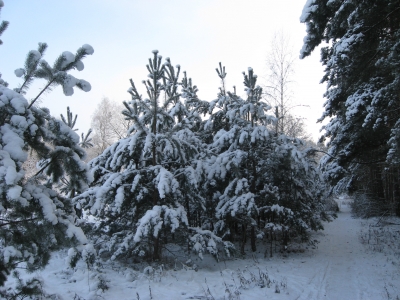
(339, 252)
(316, 286)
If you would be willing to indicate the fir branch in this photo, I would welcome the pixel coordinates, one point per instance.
(354, 162)
(382, 20)
(41, 92)
(15, 222)
(3, 27)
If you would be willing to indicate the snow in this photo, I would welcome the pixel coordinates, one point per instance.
(14, 192)
(85, 86)
(88, 49)
(10, 252)
(68, 84)
(19, 103)
(309, 8)
(13, 143)
(11, 173)
(70, 81)
(68, 58)
(19, 122)
(119, 198)
(48, 208)
(36, 55)
(152, 219)
(67, 131)
(33, 128)
(68, 91)
(166, 183)
(73, 231)
(79, 65)
(19, 72)
(338, 267)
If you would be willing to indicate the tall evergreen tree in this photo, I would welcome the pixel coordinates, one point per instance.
(259, 178)
(35, 218)
(362, 75)
(144, 182)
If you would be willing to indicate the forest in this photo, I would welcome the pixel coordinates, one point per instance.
(167, 175)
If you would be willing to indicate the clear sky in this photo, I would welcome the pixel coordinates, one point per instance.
(197, 34)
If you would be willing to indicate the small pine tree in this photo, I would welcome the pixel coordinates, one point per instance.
(143, 182)
(261, 179)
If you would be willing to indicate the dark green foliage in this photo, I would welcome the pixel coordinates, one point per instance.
(142, 182)
(200, 184)
(70, 120)
(362, 76)
(35, 218)
(23, 289)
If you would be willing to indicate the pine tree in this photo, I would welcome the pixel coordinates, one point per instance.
(144, 182)
(35, 218)
(261, 179)
(65, 185)
(362, 77)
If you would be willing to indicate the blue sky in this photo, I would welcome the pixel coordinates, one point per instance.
(197, 34)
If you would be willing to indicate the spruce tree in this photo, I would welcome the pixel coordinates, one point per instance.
(362, 75)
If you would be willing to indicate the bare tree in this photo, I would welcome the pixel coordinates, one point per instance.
(278, 90)
(108, 124)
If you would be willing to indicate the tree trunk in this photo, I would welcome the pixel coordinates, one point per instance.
(156, 247)
(232, 230)
(270, 243)
(243, 243)
(253, 239)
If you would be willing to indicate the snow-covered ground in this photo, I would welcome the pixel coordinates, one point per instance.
(353, 260)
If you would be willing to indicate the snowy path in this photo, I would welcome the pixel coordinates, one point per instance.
(343, 269)
(341, 264)
(340, 268)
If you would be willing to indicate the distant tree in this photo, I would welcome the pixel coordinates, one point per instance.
(295, 127)
(278, 89)
(108, 124)
(362, 74)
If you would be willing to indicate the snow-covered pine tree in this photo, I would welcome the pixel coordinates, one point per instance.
(238, 148)
(35, 218)
(362, 75)
(144, 183)
(261, 179)
(64, 185)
